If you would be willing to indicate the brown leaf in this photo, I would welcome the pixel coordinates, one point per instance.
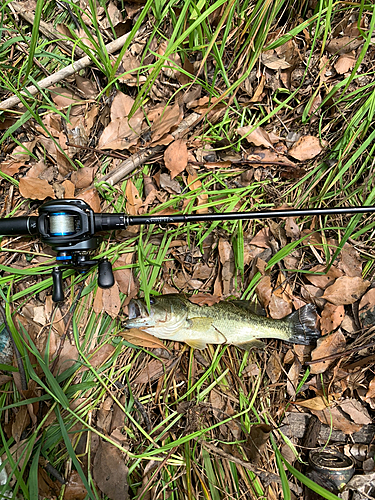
(133, 200)
(111, 301)
(170, 185)
(110, 472)
(171, 116)
(346, 290)
(91, 197)
(317, 403)
(324, 280)
(344, 64)
(20, 423)
(175, 157)
(259, 137)
(371, 391)
(67, 358)
(98, 301)
(343, 45)
(367, 309)
(262, 238)
(264, 290)
(335, 418)
(293, 376)
(306, 148)
(122, 133)
(332, 317)
(83, 177)
(272, 61)
(35, 189)
(69, 189)
(257, 441)
(75, 489)
(195, 183)
(142, 339)
(279, 307)
(99, 356)
(125, 277)
(153, 369)
(351, 261)
(356, 411)
(327, 345)
(273, 367)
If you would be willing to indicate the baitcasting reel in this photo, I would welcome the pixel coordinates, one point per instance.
(69, 227)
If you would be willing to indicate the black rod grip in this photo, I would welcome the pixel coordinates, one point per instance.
(110, 222)
(18, 226)
(57, 287)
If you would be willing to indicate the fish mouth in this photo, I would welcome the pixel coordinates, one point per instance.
(139, 315)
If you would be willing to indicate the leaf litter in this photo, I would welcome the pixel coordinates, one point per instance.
(204, 261)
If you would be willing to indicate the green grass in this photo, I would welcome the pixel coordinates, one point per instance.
(226, 40)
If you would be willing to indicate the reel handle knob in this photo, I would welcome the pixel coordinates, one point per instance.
(105, 274)
(57, 288)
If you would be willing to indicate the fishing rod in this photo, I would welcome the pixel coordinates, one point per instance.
(69, 227)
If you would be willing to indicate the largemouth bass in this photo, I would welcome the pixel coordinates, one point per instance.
(174, 317)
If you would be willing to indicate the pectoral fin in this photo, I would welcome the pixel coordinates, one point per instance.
(197, 344)
(200, 324)
(252, 344)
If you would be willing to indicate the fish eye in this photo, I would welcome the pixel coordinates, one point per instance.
(152, 300)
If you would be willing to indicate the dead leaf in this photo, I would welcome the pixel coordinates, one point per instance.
(273, 367)
(327, 345)
(153, 369)
(67, 358)
(272, 61)
(351, 261)
(75, 489)
(259, 137)
(112, 301)
(122, 133)
(175, 157)
(142, 339)
(344, 64)
(335, 418)
(125, 278)
(332, 317)
(133, 200)
(35, 189)
(279, 307)
(367, 309)
(204, 299)
(99, 356)
(170, 116)
(264, 290)
(20, 423)
(293, 377)
(195, 183)
(306, 148)
(317, 403)
(83, 177)
(170, 185)
(343, 45)
(110, 472)
(356, 411)
(370, 394)
(346, 290)
(257, 441)
(98, 301)
(69, 189)
(91, 197)
(323, 280)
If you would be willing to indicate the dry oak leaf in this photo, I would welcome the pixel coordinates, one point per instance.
(367, 309)
(327, 345)
(259, 137)
(271, 60)
(344, 64)
(91, 197)
(323, 280)
(343, 45)
(306, 148)
(142, 339)
(332, 317)
(317, 403)
(176, 157)
(356, 411)
(346, 290)
(112, 301)
(110, 472)
(35, 189)
(337, 419)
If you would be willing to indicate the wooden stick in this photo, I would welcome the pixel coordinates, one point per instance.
(63, 73)
(48, 31)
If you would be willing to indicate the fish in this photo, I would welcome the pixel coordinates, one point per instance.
(175, 317)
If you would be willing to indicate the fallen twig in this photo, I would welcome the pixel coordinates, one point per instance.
(63, 73)
(48, 31)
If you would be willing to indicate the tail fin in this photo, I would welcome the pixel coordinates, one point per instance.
(303, 325)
